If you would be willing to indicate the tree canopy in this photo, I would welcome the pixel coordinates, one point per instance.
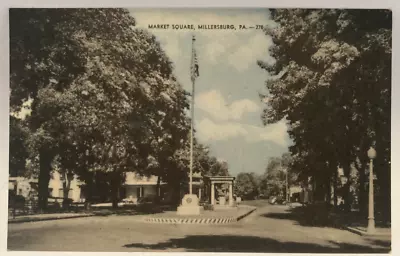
(104, 98)
(331, 82)
(273, 181)
(246, 185)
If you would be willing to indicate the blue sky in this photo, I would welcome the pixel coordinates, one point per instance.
(227, 103)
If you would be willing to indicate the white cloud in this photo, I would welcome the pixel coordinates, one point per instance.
(246, 54)
(208, 130)
(171, 48)
(229, 80)
(213, 51)
(214, 104)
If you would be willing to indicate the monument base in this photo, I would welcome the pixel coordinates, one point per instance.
(189, 206)
(188, 210)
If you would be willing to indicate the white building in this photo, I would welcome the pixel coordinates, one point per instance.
(134, 187)
(28, 187)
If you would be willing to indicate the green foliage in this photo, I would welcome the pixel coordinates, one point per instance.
(18, 148)
(204, 162)
(331, 82)
(208, 207)
(246, 185)
(104, 98)
(273, 181)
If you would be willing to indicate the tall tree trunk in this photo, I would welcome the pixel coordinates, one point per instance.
(386, 196)
(176, 193)
(158, 197)
(335, 187)
(314, 189)
(88, 192)
(383, 197)
(115, 185)
(66, 188)
(45, 159)
(346, 188)
(362, 192)
(328, 191)
(114, 193)
(382, 166)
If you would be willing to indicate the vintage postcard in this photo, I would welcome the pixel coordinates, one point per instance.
(200, 130)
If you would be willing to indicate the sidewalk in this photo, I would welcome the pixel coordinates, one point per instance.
(362, 231)
(351, 222)
(50, 216)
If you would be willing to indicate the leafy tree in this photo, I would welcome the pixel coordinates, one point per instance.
(207, 164)
(331, 82)
(18, 150)
(246, 185)
(143, 103)
(273, 181)
(46, 53)
(104, 97)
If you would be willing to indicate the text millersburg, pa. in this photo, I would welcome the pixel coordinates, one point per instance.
(203, 26)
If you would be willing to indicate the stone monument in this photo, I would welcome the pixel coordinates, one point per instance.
(189, 206)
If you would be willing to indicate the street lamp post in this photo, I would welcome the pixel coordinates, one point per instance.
(371, 218)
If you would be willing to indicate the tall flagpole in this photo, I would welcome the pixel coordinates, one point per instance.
(192, 120)
(190, 202)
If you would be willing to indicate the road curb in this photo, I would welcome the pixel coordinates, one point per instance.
(246, 214)
(27, 219)
(364, 233)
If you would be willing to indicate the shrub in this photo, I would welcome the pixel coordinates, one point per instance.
(16, 200)
(317, 214)
(67, 201)
(208, 207)
(103, 212)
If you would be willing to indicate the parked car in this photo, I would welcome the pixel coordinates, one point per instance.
(277, 200)
(272, 200)
(129, 201)
(145, 200)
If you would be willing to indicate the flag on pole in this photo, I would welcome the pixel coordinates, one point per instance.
(194, 70)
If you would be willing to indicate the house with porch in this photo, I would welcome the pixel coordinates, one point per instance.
(136, 186)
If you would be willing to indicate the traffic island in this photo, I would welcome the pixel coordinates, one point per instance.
(206, 217)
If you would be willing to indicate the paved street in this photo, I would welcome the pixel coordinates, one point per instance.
(263, 231)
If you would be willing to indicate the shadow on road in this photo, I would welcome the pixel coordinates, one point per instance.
(230, 243)
(300, 217)
(382, 243)
(317, 217)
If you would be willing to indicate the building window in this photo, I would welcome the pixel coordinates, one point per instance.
(140, 192)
